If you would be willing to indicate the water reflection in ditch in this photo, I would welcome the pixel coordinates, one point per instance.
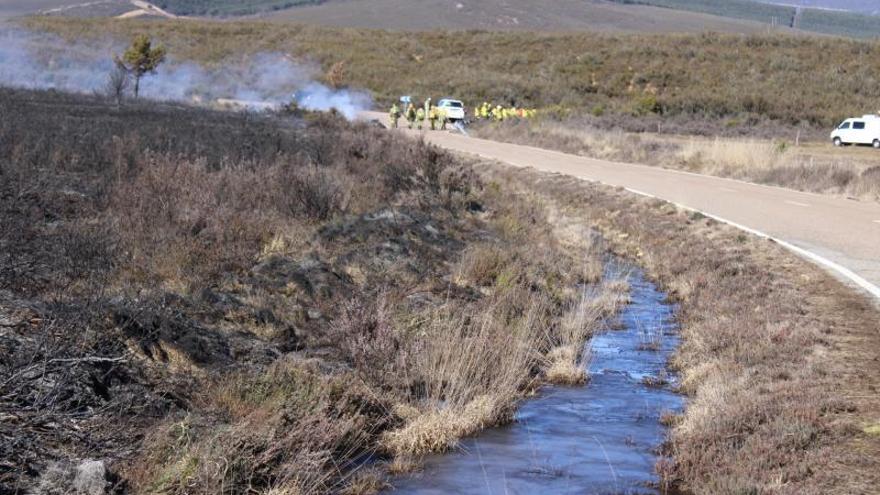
(598, 439)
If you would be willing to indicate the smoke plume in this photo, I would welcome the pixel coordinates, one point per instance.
(41, 61)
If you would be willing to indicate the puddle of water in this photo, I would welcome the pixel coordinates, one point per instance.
(597, 439)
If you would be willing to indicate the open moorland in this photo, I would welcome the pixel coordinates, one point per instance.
(283, 303)
(634, 98)
(517, 15)
(696, 77)
(25, 7)
(644, 16)
(854, 23)
(227, 7)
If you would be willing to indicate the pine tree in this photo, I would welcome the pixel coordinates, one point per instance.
(141, 58)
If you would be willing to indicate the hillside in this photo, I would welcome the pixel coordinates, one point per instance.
(418, 14)
(15, 8)
(731, 81)
(640, 16)
(645, 16)
(560, 15)
(818, 20)
(861, 6)
(227, 7)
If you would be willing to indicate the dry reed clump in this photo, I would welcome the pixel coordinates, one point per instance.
(773, 353)
(568, 356)
(440, 430)
(738, 159)
(566, 365)
(289, 429)
(470, 370)
(367, 481)
(483, 264)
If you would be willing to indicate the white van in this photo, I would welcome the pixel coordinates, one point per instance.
(864, 130)
(454, 109)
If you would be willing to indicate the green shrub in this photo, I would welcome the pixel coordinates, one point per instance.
(646, 105)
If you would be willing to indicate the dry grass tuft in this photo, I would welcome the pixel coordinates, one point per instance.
(440, 430)
(566, 365)
(367, 481)
(744, 157)
(568, 357)
(471, 370)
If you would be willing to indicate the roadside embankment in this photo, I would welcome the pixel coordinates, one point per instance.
(819, 168)
(779, 360)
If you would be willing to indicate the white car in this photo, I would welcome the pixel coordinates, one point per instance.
(454, 109)
(864, 130)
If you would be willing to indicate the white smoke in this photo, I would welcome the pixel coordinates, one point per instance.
(39, 61)
(315, 96)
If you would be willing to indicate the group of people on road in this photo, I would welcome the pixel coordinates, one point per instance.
(434, 115)
(498, 113)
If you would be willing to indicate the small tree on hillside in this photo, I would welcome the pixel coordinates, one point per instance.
(140, 59)
(117, 83)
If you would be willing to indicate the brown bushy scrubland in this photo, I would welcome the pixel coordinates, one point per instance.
(700, 80)
(778, 358)
(207, 302)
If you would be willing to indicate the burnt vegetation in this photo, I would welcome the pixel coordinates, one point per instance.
(205, 302)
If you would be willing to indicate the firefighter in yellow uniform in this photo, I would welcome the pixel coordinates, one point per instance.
(441, 116)
(420, 117)
(411, 115)
(394, 113)
(432, 117)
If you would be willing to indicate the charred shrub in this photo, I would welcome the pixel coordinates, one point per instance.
(316, 195)
(366, 335)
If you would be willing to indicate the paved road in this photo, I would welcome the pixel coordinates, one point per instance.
(841, 235)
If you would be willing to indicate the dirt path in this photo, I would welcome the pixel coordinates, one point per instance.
(841, 235)
(64, 8)
(146, 8)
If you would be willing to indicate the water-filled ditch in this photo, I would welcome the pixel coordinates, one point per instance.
(601, 438)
